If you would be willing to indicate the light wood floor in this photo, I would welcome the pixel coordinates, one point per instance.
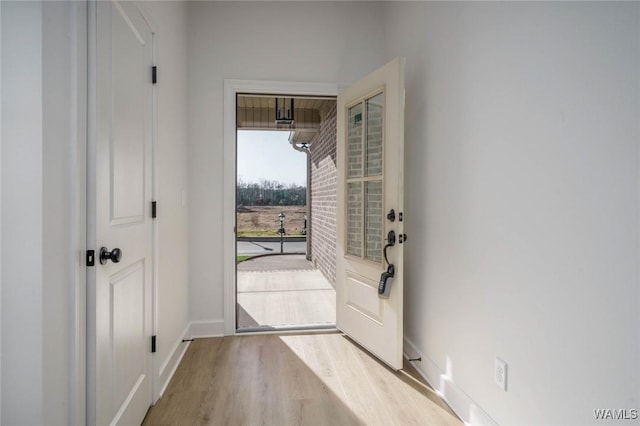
(306, 379)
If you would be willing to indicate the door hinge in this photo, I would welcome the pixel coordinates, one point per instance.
(91, 258)
(154, 209)
(154, 74)
(153, 344)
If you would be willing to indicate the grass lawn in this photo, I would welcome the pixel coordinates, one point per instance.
(242, 258)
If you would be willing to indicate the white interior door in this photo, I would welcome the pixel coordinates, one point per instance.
(120, 299)
(370, 126)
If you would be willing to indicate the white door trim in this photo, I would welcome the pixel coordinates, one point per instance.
(231, 89)
(1, 206)
(78, 350)
(90, 240)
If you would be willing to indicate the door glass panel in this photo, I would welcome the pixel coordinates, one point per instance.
(374, 135)
(373, 220)
(365, 146)
(354, 141)
(354, 219)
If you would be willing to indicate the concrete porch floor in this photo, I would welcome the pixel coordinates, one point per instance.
(286, 290)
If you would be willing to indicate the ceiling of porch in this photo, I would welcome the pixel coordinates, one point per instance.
(258, 112)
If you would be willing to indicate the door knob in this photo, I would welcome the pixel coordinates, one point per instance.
(114, 255)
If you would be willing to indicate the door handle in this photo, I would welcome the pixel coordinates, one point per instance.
(384, 287)
(114, 255)
(391, 241)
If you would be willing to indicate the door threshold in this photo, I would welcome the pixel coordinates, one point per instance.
(289, 329)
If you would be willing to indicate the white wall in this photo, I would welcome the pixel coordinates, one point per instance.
(288, 41)
(22, 237)
(57, 208)
(169, 20)
(522, 203)
(37, 206)
(38, 209)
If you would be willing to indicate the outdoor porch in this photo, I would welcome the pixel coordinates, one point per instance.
(283, 291)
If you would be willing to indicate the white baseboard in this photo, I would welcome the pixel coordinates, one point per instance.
(453, 395)
(210, 328)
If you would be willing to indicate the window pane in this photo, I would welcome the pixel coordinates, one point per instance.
(373, 220)
(354, 219)
(374, 136)
(354, 142)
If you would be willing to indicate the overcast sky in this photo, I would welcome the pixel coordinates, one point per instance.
(269, 155)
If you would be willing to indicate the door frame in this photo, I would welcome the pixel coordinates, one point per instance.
(82, 335)
(233, 87)
(80, 41)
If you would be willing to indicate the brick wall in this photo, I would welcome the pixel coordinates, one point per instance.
(373, 224)
(323, 196)
(364, 191)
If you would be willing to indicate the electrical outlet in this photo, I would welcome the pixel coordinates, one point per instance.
(500, 374)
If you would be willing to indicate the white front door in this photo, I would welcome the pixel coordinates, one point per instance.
(370, 126)
(119, 316)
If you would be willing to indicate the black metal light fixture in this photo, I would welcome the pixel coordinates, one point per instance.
(284, 110)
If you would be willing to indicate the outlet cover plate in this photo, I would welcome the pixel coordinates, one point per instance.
(500, 374)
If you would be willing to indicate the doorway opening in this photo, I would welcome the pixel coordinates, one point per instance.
(285, 212)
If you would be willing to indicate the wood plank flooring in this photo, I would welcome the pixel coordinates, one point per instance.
(302, 379)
